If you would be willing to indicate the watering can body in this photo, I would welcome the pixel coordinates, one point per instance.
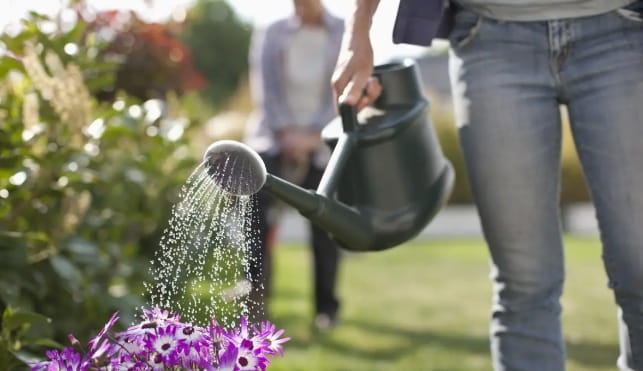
(387, 176)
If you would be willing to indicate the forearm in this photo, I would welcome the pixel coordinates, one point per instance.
(352, 77)
(359, 23)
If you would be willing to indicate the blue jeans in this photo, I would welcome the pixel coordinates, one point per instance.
(508, 81)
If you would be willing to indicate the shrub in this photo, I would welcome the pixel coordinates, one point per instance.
(219, 43)
(86, 186)
(152, 61)
(442, 119)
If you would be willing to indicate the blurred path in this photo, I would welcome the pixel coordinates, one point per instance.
(453, 222)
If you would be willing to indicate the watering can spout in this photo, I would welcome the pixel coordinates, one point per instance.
(344, 223)
(239, 170)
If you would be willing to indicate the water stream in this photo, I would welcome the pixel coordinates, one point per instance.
(203, 266)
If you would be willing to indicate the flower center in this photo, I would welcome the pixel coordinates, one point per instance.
(188, 330)
(243, 361)
(149, 325)
(165, 346)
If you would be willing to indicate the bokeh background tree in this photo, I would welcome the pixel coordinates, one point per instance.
(219, 42)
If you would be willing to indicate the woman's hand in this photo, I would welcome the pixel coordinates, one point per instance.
(352, 81)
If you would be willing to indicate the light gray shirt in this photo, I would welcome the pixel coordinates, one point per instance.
(306, 73)
(538, 10)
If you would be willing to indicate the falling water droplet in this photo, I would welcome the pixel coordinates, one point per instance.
(203, 265)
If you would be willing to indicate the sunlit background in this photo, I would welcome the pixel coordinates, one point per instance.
(255, 12)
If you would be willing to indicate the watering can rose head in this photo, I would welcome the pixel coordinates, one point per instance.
(161, 341)
(235, 167)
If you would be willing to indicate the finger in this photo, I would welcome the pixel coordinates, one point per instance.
(371, 93)
(363, 102)
(343, 74)
(353, 91)
(373, 88)
(339, 82)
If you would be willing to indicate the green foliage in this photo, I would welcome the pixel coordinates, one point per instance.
(219, 42)
(442, 119)
(573, 188)
(86, 186)
(21, 330)
(153, 61)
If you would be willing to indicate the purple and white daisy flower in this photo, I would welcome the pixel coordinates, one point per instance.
(67, 359)
(94, 343)
(250, 359)
(228, 358)
(162, 343)
(271, 338)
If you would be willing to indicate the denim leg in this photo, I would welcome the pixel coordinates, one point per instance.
(509, 124)
(604, 82)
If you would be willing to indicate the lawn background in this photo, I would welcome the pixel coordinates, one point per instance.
(425, 306)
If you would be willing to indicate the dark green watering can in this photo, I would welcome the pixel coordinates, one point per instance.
(387, 176)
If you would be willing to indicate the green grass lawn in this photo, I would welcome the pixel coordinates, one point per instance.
(425, 306)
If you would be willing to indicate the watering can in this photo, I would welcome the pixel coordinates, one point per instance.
(386, 178)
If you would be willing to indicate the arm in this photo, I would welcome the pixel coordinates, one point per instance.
(351, 81)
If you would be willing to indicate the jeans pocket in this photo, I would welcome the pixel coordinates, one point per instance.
(631, 18)
(466, 28)
(632, 14)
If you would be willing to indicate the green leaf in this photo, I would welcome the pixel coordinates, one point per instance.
(10, 238)
(17, 43)
(84, 251)
(75, 33)
(25, 357)
(13, 257)
(7, 64)
(12, 319)
(10, 361)
(71, 276)
(13, 249)
(49, 343)
(10, 288)
(102, 81)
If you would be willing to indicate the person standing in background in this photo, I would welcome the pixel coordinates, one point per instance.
(512, 64)
(291, 63)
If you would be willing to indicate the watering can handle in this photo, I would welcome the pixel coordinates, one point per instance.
(341, 152)
(348, 113)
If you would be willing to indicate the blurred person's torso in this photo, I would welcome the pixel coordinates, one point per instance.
(305, 73)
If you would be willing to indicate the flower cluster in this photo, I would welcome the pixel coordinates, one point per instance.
(64, 88)
(162, 342)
